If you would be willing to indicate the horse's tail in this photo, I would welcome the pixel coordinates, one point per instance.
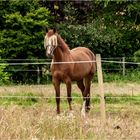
(94, 65)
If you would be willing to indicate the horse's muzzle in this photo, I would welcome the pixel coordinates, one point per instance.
(49, 56)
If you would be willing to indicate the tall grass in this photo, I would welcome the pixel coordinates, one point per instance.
(35, 118)
(39, 121)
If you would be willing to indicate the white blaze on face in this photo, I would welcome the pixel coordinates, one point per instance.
(50, 42)
(49, 49)
(45, 41)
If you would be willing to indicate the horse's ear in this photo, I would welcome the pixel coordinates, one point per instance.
(54, 30)
(46, 30)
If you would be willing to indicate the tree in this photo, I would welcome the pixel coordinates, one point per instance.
(111, 27)
(22, 34)
(4, 76)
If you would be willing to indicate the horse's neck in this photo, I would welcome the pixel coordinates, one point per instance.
(58, 55)
(63, 45)
(62, 51)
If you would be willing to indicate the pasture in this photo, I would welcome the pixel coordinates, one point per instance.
(30, 117)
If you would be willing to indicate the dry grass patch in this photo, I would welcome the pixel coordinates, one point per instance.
(41, 122)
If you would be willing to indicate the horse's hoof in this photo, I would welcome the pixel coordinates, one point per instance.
(57, 112)
(87, 109)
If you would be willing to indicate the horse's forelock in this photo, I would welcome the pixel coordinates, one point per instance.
(50, 33)
(52, 40)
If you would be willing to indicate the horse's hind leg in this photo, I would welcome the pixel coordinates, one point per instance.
(81, 86)
(87, 91)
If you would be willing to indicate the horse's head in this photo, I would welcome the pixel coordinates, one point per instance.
(50, 42)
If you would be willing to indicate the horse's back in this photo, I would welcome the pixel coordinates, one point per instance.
(82, 50)
(82, 54)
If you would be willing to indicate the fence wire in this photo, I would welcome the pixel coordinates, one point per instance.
(73, 97)
(104, 60)
(70, 62)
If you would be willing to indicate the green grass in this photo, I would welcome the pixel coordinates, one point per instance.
(29, 99)
(130, 76)
(123, 100)
(22, 99)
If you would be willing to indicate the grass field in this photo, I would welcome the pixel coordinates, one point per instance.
(35, 118)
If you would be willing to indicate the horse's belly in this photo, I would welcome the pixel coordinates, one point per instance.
(81, 70)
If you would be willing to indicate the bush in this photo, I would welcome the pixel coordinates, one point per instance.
(107, 40)
(4, 76)
(137, 56)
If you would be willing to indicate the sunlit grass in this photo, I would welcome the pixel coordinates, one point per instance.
(40, 121)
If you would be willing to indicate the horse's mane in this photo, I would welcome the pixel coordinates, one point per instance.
(63, 45)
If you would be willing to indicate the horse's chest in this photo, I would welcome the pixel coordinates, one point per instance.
(61, 70)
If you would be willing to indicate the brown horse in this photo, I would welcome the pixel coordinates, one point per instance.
(70, 69)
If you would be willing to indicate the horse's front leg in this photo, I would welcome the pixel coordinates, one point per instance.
(56, 84)
(68, 85)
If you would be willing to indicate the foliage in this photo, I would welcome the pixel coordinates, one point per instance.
(137, 56)
(22, 35)
(110, 28)
(132, 76)
(112, 32)
(108, 41)
(4, 76)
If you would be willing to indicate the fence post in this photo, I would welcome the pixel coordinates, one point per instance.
(38, 75)
(123, 59)
(101, 88)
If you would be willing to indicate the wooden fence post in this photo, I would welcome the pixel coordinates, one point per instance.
(38, 75)
(101, 88)
(123, 59)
